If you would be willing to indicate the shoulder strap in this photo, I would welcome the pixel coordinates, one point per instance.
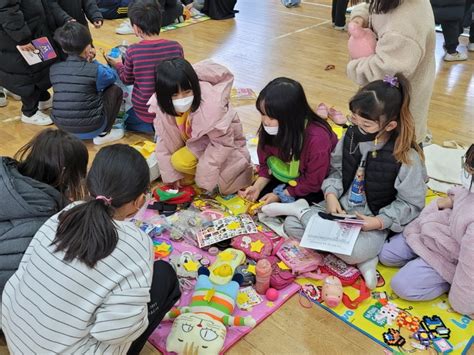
(363, 294)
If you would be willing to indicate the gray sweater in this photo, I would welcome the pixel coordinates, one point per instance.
(410, 186)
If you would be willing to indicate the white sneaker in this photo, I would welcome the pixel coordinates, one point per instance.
(12, 95)
(3, 98)
(39, 119)
(113, 135)
(455, 57)
(125, 28)
(44, 105)
(339, 28)
(470, 47)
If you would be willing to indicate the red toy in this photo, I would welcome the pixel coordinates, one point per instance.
(169, 195)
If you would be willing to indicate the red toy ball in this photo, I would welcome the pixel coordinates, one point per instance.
(272, 294)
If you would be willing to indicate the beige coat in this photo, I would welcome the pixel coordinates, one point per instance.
(406, 44)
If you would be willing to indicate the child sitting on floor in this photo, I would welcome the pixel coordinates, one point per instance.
(86, 101)
(377, 173)
(88, 282)
(292, 132)
(141, 60)
(436, 250)
(199, 134)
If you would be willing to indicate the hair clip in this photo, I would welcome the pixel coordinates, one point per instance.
(392, 81)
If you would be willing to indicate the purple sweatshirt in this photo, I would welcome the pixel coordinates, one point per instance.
(314, 161)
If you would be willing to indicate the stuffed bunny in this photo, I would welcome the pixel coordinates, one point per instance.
(362, 41)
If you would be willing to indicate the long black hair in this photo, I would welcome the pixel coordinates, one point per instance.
(172, 76)
(388, 100)
(56, 158)
(86, 232)
(383, 6)
(284, 100)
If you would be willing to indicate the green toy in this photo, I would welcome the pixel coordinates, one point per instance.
(285, 172)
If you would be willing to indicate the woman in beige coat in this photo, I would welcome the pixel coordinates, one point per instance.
(405, 44)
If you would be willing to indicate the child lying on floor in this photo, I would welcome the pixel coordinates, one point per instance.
(436, 250)
(376, 172)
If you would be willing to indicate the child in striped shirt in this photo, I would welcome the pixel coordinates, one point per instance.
(141, 59)
(87, 282)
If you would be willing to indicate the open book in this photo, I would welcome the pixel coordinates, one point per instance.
(44, 51)
(332, 236)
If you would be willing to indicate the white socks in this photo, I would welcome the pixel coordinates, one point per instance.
(296, 209)
(369, 272)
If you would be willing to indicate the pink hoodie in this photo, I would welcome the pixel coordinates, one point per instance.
(445, 240)
(217, 136)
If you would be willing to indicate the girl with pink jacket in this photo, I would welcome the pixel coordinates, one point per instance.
(199, 134)
(436, 250)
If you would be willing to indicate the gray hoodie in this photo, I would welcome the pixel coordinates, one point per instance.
(25, 204)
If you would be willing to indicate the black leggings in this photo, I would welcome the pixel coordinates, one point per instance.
(164, 293)
(315, 197)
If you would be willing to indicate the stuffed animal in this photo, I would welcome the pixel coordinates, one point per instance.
(200, 327)
(362, 41)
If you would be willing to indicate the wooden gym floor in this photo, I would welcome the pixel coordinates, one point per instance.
(267, 40)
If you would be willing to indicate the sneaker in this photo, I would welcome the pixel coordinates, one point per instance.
(39, 119)
(3, 98)
(113, 135)
(44, 105)
(12, 95)
(455, 57)
(470, 47)
(339, 28)
(125, 29)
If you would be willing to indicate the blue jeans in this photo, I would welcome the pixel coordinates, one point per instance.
(133, 123)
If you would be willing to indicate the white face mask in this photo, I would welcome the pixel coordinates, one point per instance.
(273, 131)
(184, 104)
(466, 180)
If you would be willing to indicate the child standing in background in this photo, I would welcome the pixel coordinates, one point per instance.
(86, 101)
(77, 10)
(436, 250)
(199, 134)
(377, 173)
(88, 282)
(141, 59)
(291, 131)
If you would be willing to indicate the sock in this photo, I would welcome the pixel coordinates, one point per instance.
(297, 208)
(369, 272)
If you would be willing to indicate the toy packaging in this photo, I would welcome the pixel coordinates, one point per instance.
(226, 228)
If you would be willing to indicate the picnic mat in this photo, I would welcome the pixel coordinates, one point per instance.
(396, 322)
(195, 19)
(258, 312)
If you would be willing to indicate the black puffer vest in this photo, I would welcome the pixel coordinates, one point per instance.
(380, 172)
(77, 106)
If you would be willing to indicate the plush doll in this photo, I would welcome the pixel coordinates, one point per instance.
(200, 328)
(362, 41)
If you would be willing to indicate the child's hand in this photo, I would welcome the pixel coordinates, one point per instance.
(250, 193)
(444, 203)
(270, 198)
(370, 223)
(333, 205)
(98, 23)
(91, 54)
(114, 61)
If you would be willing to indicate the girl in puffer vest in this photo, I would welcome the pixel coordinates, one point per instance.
(377, 174)
(436, 250)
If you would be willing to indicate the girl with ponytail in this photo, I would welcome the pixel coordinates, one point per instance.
(377, 173)
(88, 281)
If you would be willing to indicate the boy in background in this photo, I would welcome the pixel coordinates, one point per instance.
(138, 68)
(86, 101)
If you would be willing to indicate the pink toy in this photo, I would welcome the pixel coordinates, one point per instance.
(272, 294)
(263, 271)
(362, 41)
(332, 291)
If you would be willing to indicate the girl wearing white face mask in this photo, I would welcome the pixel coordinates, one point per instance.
(293, 133)
(436, 250)
(200, 136)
